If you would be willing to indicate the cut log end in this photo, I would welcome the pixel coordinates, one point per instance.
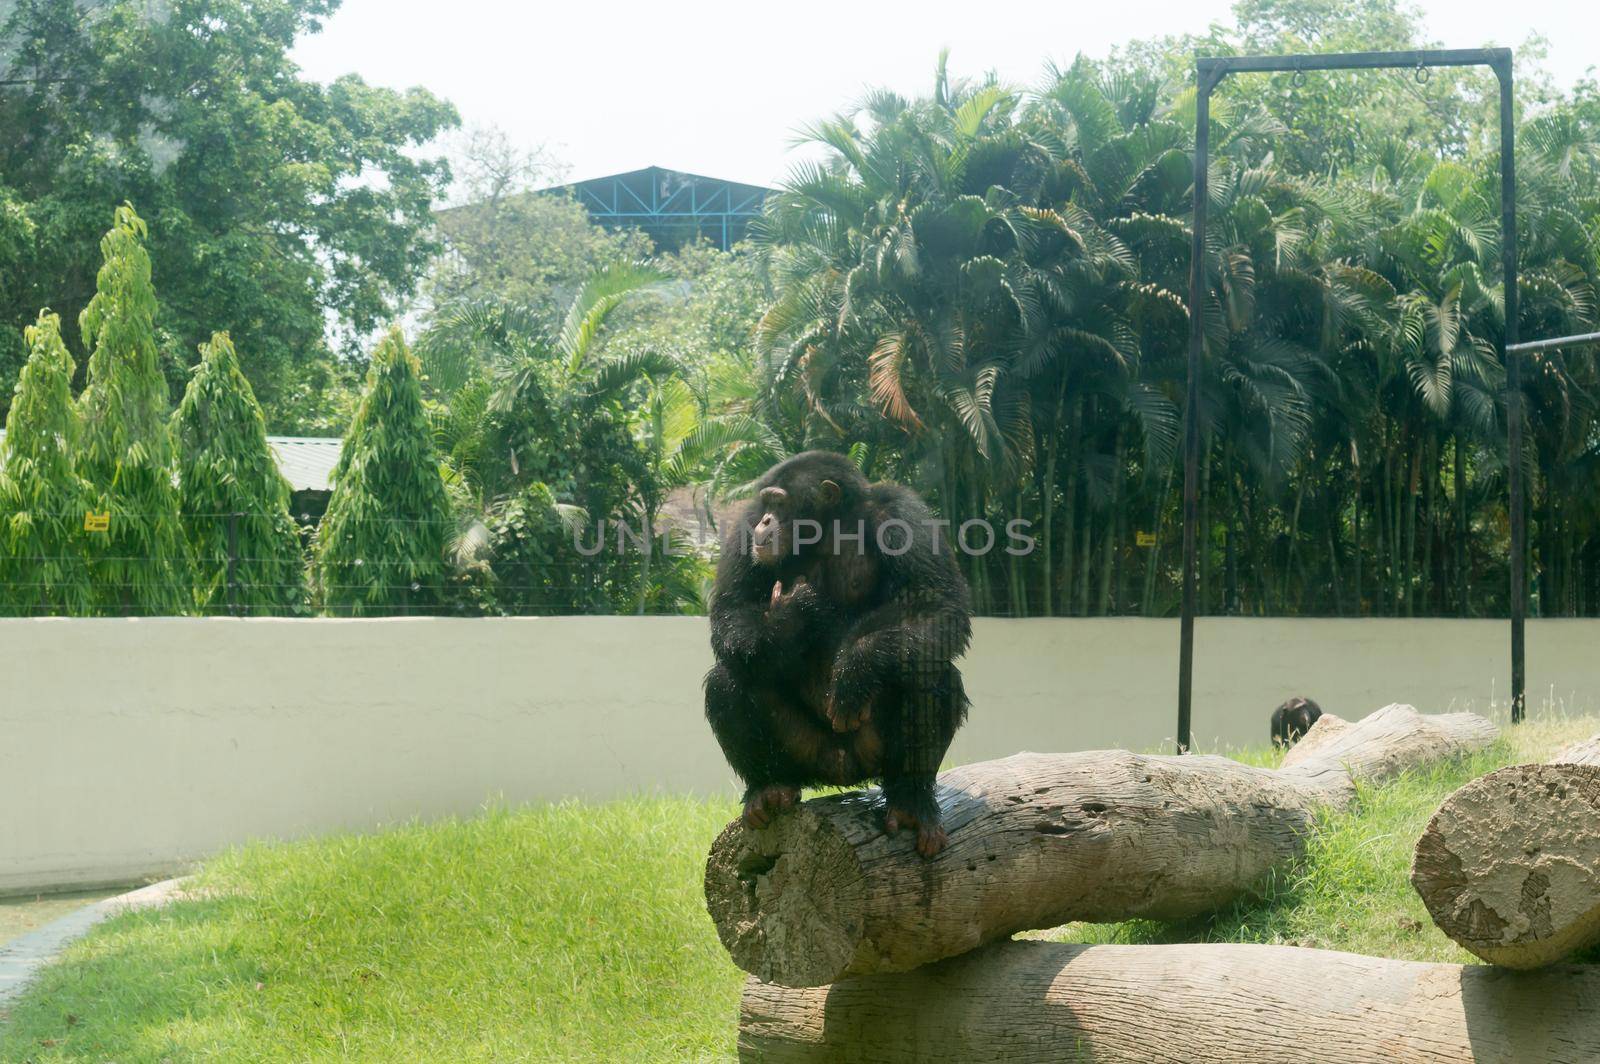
(1509, 866)
(787, 899)
(1036, 840)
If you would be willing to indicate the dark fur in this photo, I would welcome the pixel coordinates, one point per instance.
(851, 675)
(1292, 720)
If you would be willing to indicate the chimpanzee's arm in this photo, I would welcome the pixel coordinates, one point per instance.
(921, 624)
(749, 632)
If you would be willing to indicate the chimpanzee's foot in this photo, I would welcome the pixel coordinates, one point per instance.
(931, 837)
(763, 804)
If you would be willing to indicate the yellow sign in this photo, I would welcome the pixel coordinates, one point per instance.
(97, 522)
(1144, 539)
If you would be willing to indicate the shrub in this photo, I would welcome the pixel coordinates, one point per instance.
(137, 564)
(381, 546)
(244, 547)
(43, 569)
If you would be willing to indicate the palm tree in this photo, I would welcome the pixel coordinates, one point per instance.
(984, 289)
(524, 404)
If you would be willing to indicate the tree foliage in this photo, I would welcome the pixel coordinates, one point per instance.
(984, 289)
(550, 438)
(381, 546)
(504, 239)
(244, 547)
(43, 568)
(277, 202)
(126, 451)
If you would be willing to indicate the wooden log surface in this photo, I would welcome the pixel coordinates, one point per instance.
(1509, 866)
(1038, 840)
(1026, 1002)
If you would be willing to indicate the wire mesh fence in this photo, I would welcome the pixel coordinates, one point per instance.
(613, 567)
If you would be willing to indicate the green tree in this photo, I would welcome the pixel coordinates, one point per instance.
(544, 429)
(276, 202)
(244, 547)
(381, 546)
(983, 291)
(948, 267)
(705, 313)
(126, 453)
(42, 499)
(503, 239)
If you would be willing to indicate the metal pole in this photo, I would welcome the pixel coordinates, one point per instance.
(1408, 60)
(1204, 79)
(1533, 346)
(1513, 363)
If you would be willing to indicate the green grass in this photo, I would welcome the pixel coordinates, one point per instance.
(567, 932)
(1352, 892)
(574, 933)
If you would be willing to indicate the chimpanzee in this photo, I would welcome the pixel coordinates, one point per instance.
(1292, 720)
(836, 618)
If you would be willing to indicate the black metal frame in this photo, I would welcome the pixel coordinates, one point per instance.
(1209, 72)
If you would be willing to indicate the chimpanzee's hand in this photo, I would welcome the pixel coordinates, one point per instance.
(788, 611)
(849, 700)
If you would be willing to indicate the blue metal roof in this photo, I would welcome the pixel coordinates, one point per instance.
(673, 207)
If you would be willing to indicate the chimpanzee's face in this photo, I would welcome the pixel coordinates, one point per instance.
(776, 534)
(772, 533)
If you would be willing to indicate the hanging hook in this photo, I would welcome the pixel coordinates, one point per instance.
(1422, 74)
(1299, 78)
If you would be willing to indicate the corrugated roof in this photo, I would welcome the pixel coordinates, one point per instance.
(306, 462)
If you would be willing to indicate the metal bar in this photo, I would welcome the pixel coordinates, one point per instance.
(1191, 405)
(1513, 363)
(1533, 347)
(1222, 65)
(679, 214)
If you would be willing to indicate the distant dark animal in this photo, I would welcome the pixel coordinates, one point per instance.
(1292, 720)
(836, 618)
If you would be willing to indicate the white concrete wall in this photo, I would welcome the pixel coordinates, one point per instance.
(130, 747)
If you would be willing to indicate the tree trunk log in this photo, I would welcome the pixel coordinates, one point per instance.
(1038, 840)
(1026, 1002)
(1509, 866)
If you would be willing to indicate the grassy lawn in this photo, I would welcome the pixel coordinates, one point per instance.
(1352, 892)
(571, 932)
(568, 932)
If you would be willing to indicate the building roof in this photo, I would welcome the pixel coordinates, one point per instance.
(306, 462)
(672, 206)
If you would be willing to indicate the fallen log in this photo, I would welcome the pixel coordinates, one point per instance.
(1038, 840)
(1024, 1002)
(1509, 866)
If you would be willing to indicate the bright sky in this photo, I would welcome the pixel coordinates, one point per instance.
(718, 87)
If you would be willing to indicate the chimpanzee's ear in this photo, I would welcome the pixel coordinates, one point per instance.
(828, 492)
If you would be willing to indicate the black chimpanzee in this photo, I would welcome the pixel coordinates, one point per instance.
(836, 618)
(1292, 720)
